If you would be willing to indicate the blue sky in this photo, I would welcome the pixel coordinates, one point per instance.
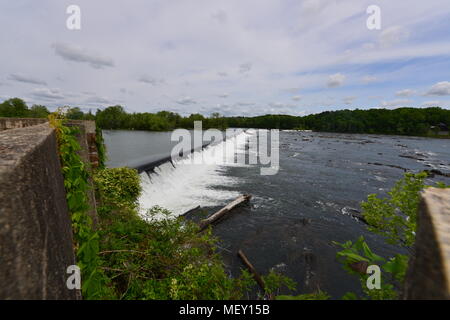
(234, 57)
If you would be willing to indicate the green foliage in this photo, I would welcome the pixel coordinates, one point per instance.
(119, 187)
(164, 258)
(14, 107)
(133, 258)
(401, 121)
(38, 111)
(320, 295)
(360, 253)
(76, 185)
(101, 148)
(395, 217)
(274, 281)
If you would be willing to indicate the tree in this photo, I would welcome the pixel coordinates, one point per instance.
(75, 114)
(14, 107)
(38, 111)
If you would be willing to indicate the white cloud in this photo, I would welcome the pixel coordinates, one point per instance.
(223, 95)
(296, 98)
(220, 15)
(431, 104)
(150, 80)
(47, 94)
(349, 100)
(186, 101)
(245, 67)
(26, 79)
(405, 93)
(392, 36)
(78, 54)
(336, 80)
(396, 103)
(369, 79)
(439, 89)
(98, 100)
(245, 104)
(253, 49)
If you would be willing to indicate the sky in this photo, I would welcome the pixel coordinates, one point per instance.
(235, 57)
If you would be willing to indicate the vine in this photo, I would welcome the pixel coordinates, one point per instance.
(86, 240)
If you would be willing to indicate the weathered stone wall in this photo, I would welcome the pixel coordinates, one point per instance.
(36, 243)
(14, 123)
(429, 268)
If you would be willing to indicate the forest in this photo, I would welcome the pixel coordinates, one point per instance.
(401, 121)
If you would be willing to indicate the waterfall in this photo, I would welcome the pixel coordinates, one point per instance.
(182, 184)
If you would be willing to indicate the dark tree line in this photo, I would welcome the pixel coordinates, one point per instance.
(402, 121)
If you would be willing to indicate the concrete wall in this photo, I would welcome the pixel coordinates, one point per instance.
(13, 123)
(36, 243)
(428, 274)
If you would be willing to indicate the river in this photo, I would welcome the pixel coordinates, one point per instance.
(294, 215)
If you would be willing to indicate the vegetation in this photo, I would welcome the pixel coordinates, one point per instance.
(401, 121)
(128, 257)
(395, 218)
(76, 184)
(160, 257)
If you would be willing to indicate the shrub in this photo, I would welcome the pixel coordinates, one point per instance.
(119, 187)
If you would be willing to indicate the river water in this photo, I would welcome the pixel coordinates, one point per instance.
(295, 215)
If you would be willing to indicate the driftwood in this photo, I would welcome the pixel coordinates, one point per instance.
(222, 212)
(252, 269)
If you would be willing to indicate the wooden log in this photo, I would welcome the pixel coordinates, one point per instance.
(252, 269)
(222, 212)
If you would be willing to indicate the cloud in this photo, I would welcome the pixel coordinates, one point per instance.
(392, 36)
(186, 101)
(222, 74)
(26, 79)
(396, 103)
(431, 103)
(293, 90)
(150, 80)
(349, 100)
(245, 67)
(369, 79)
(439, 89)
(297, 98)
(223, 95)
(245, 104)
(98, 100)
(77, 54)
(405, 93)
(220, 16)
(47, 93)
(336, 80)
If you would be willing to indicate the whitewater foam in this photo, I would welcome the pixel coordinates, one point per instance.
(182, 185)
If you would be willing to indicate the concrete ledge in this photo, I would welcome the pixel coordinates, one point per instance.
(14, 123)
(429, 269)
(36, 244)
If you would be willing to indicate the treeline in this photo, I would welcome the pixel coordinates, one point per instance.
(402, 121)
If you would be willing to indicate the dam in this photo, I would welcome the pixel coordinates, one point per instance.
(35, 228)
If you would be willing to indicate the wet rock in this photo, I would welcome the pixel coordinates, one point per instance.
(354, 213)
